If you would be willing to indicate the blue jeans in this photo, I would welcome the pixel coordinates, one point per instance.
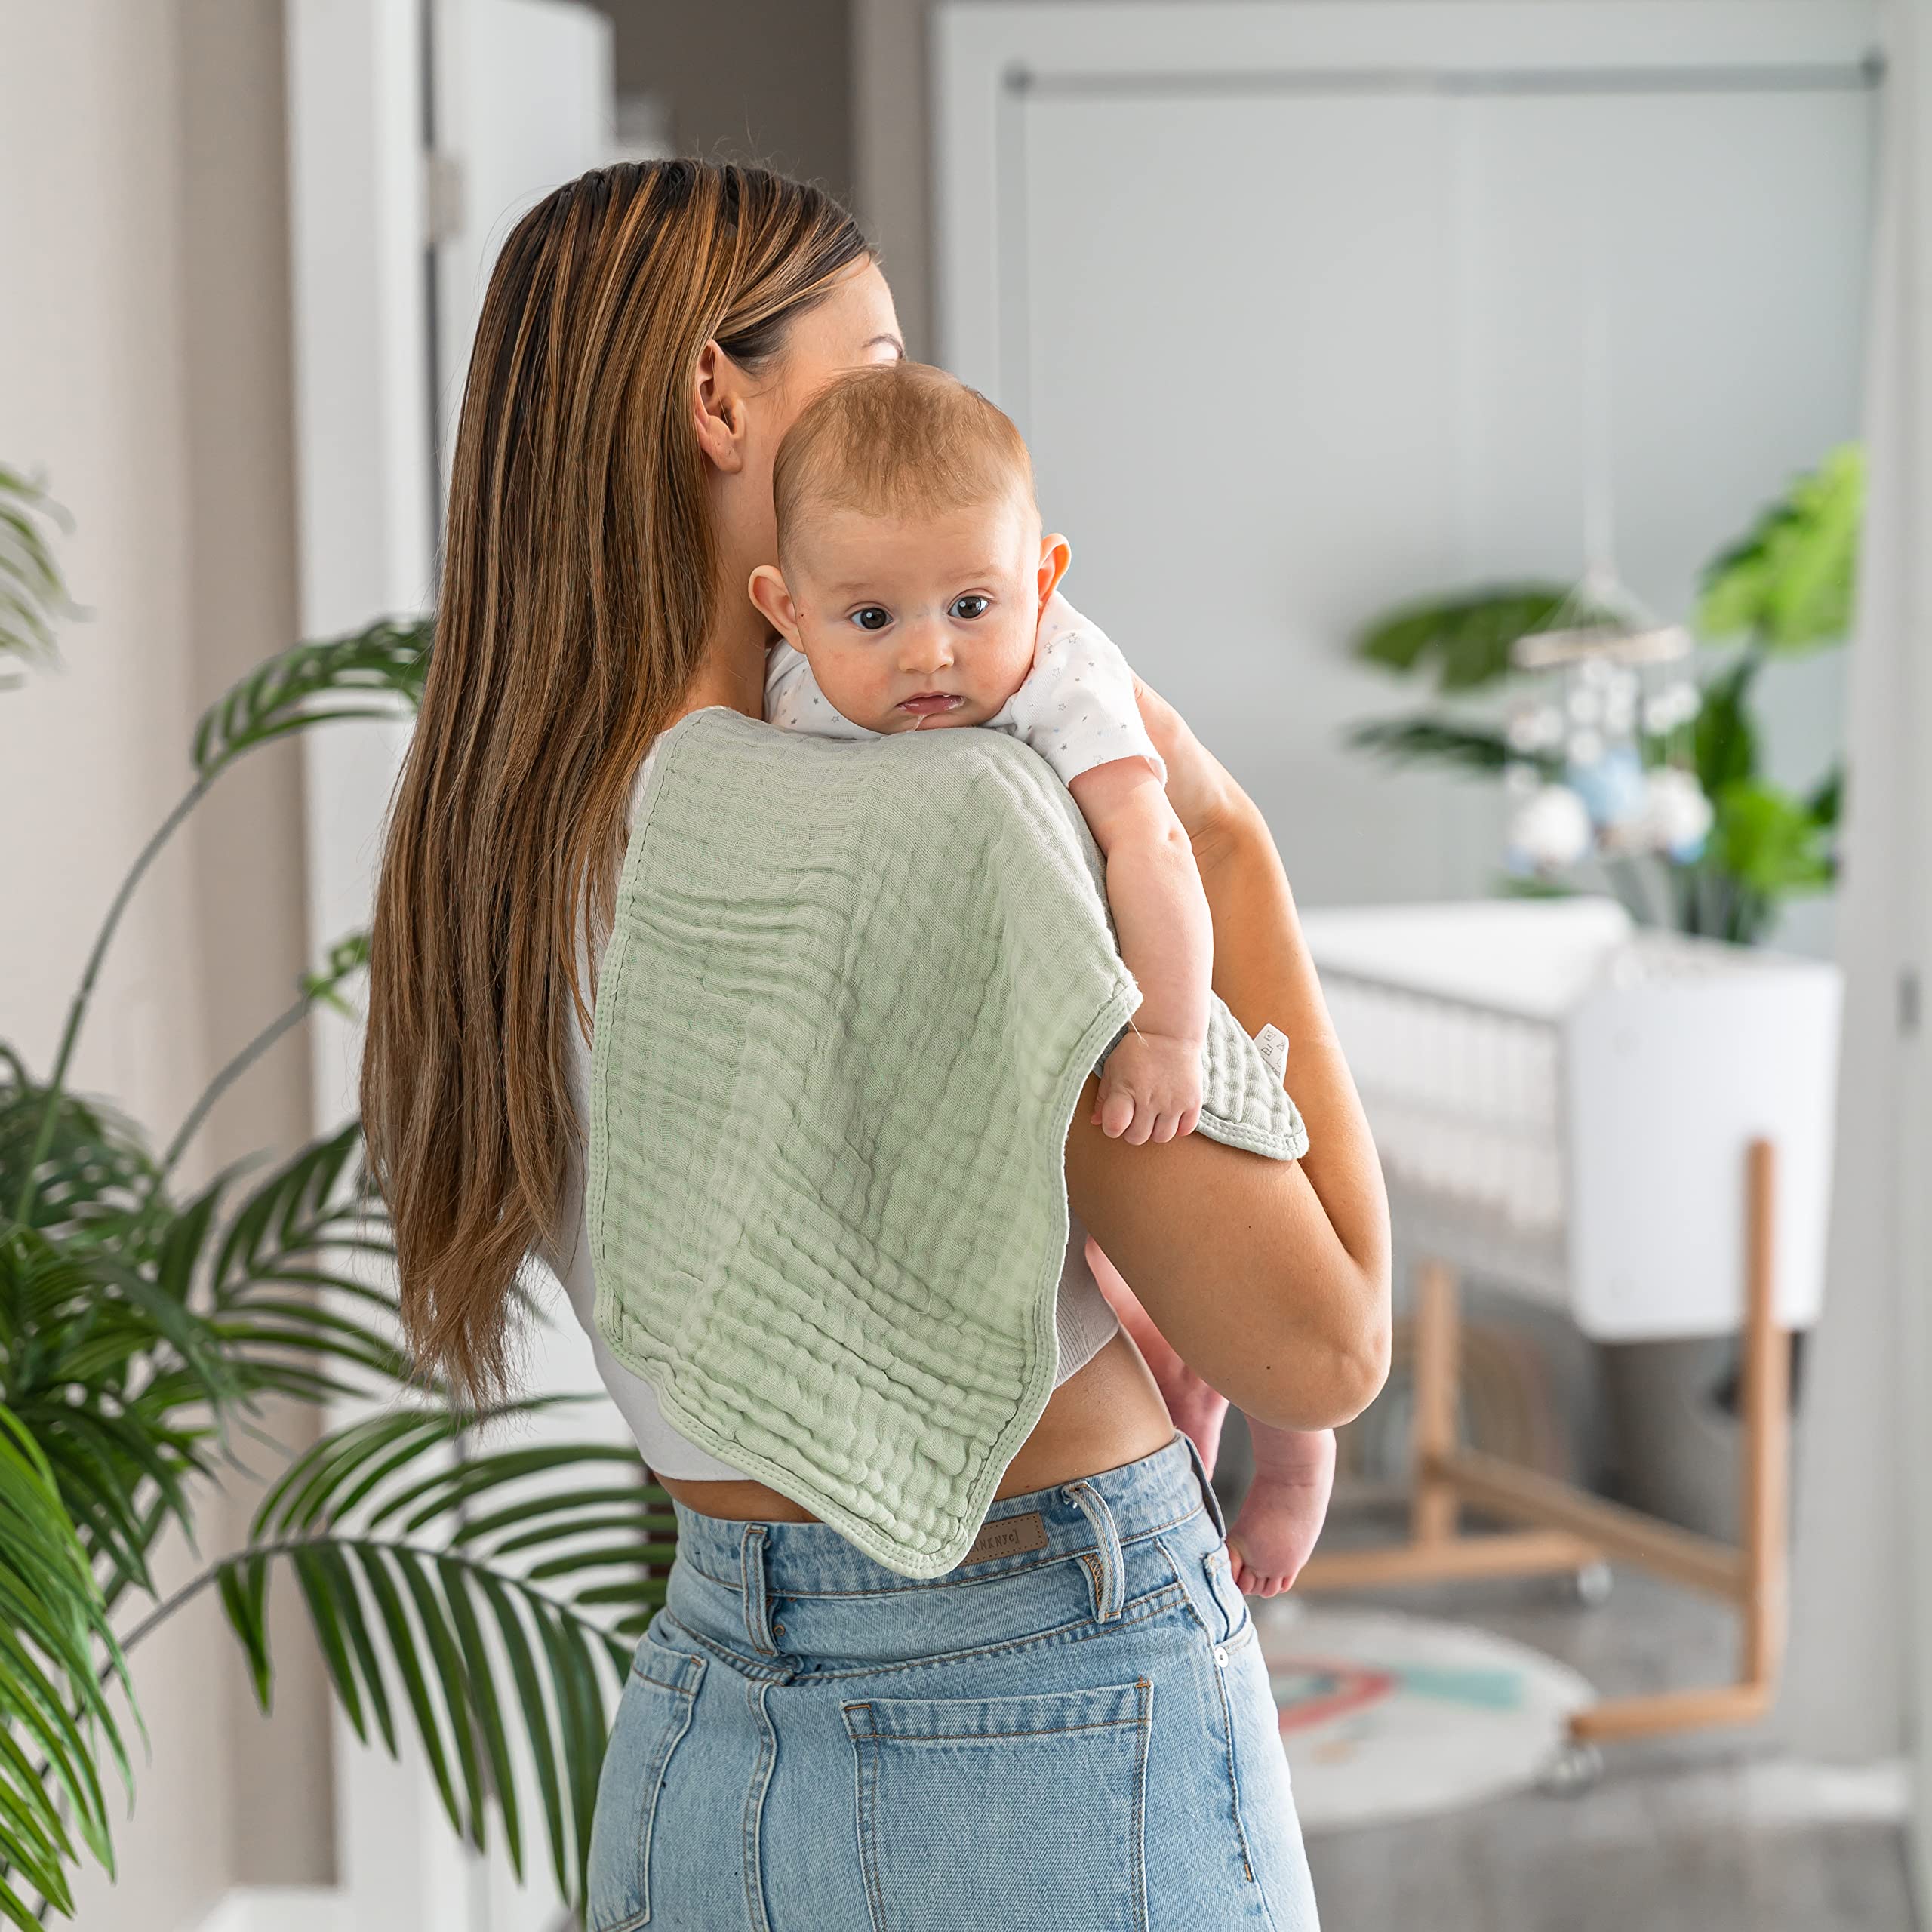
(1071, 1729)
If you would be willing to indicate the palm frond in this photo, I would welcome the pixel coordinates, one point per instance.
(32, 595)
(1827, 798)
(1789, 580)
(484, 1599)
(377, 672)
(1468, 634)
(112, 1377)
(95, 1160)
(1436, 741)
(287, 1315)
(134, 1341)
(346, 957)
(54, 1715)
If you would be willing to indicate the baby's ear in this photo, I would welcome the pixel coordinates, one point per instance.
(774, 601)
(1054, 557)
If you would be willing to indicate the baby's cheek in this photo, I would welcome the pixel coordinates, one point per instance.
(1008, 664)
(858, 686)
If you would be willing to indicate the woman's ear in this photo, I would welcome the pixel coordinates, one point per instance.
(774, 602)
(717, 409)
(1055, 555)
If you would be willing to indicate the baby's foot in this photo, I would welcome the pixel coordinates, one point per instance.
(1281, 1515)
(1270, 1539)
(1150, 1088)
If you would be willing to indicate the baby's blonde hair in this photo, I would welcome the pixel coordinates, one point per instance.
(896, 439)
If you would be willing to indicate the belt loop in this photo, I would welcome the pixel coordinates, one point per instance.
(757, 1602)
(1110, 1585)
(1213, 1502)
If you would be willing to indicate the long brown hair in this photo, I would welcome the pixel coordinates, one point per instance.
(578, 578)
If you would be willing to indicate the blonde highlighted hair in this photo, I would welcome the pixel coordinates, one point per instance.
(579, 580)
(899, 439)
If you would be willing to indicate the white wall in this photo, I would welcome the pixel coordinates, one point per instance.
(143, 359)
(892, 148)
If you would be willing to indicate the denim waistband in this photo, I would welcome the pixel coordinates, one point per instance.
(1131, 1500)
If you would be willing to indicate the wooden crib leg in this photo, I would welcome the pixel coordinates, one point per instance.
(1568, 1527)
(1437, 1371)
(1762, 1558)
(1766, 1429)
(1437, 1552)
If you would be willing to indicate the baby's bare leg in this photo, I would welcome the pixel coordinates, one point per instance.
(1280, 1516)
(1197, 1408)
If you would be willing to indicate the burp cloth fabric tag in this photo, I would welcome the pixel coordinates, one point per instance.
(1274, 1045)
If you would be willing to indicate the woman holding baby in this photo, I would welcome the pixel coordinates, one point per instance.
(1073, 1726)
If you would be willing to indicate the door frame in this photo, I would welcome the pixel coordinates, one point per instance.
(366, 509)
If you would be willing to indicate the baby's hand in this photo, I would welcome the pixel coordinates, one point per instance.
(1150, 1088)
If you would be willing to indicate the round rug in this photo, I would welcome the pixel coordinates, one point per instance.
(1385, 1716)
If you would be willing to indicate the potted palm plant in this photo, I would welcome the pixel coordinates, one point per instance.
(469, 1589)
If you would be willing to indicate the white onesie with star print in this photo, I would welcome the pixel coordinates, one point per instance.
(1074, 706)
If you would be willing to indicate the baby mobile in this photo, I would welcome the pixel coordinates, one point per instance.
(1613, 681)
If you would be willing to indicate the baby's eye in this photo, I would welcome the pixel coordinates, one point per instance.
(872, 617)
(972, 605)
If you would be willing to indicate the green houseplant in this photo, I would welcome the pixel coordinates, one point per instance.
(32, 594)
(1783, 588)
(478, 1591)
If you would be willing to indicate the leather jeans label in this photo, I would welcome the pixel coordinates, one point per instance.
(1007, 1536)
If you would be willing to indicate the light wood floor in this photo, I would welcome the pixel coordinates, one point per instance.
(1708, 1833)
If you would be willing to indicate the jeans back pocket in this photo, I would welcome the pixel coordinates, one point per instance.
(652, 1714)
(963, 1805)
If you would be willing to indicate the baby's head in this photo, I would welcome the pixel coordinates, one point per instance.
(912, 570)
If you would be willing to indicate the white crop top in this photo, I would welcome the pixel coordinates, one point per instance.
(1084, 1317)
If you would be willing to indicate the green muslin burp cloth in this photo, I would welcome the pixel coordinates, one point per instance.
(849, 1001)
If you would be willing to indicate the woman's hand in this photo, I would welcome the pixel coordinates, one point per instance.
(1201, 788)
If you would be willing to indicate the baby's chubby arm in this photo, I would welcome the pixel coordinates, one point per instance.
(1150, 1088)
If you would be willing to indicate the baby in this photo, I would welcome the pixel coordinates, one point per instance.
(914, 591)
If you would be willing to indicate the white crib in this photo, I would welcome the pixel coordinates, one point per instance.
(1629, 1125)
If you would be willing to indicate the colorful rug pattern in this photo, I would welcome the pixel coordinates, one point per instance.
(1385, 1716)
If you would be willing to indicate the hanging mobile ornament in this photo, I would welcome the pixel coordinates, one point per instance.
(1604, 643)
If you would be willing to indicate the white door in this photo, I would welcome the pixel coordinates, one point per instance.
(391, 253)
(1293, 302)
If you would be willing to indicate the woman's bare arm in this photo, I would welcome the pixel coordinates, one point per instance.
(1269, 1278)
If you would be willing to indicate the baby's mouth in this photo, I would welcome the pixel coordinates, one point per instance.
(931, 704)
